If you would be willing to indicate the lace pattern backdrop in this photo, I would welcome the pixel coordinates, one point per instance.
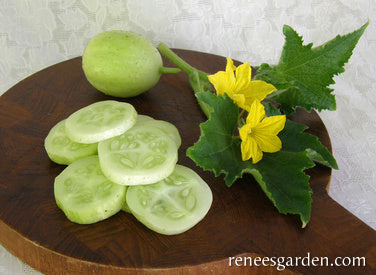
(39, 33)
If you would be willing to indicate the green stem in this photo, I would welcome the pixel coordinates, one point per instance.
(240, 118)
(198, 79)
(194, 78)
(166, 70)
(170, 55)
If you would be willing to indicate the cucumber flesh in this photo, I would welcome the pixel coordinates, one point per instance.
(165, 126)
(172, 205)
(142, 155)
(63, 150)
(100, 121)
(143, 118)
(85, 195)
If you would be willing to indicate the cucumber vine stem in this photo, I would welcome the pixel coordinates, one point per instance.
(198, 79)
(180, 63)
(166, 70)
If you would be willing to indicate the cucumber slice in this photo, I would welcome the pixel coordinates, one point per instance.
(125, 207)
(142, 155)
(165, 126)
(100, 121)
(174, 204)
(85, 195)
(143, 118)
(63, 150)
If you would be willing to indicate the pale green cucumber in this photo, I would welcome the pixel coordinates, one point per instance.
(100, 121)
(165, 126)
(172, 205)
(142, 155)
(143, 118)
(125, 207)
(62, 149)
(85, 195)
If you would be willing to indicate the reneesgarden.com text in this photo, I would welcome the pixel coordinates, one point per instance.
(281, 263)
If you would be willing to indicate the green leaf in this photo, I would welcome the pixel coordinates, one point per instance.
(295, 140)
(216, 144)
(280, 175)
(304, 73)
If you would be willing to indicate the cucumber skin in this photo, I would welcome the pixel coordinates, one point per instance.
(121, 63)
(90, 217)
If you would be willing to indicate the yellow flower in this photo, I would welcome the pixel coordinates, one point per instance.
(259, 134)
(236, 83)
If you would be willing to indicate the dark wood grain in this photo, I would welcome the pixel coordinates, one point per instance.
(242, 221)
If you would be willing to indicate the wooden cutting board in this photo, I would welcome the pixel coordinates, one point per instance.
(241, 221)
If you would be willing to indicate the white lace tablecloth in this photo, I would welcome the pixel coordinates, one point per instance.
(36, 34)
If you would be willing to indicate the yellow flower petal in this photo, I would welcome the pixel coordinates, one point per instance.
(245, 149)
(257, 156)
(272, 125)
(256, 114)
(222, 82)
(267, 143)
(243, 77)
(259, 134)
(258, 89)
(230, 68)
(250, 149)
(243, 132)
(237, 84)
(239, 99)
